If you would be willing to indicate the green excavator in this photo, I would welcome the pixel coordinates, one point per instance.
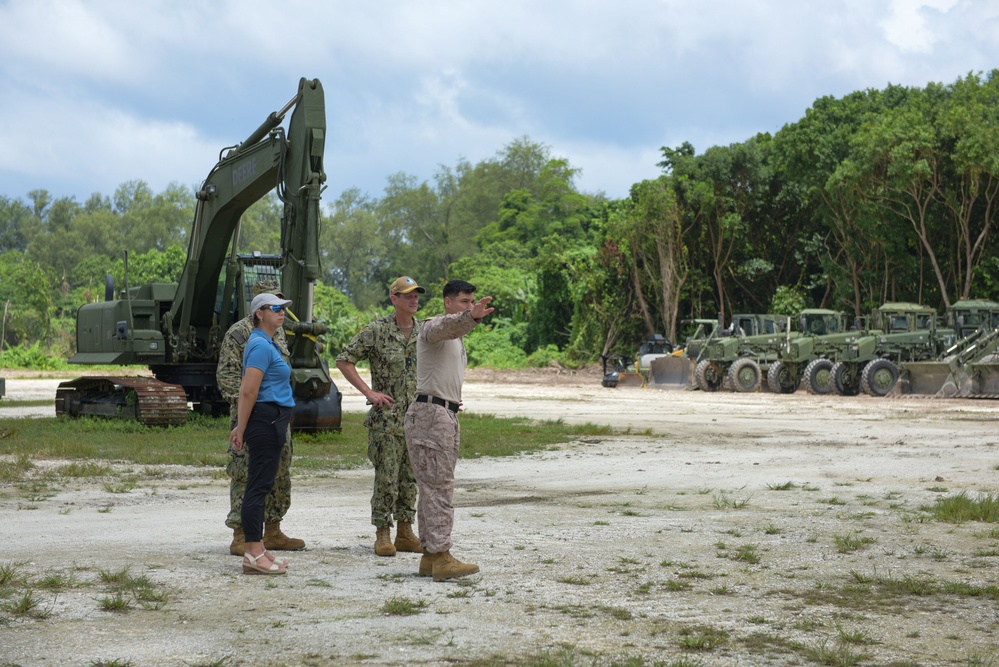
(177, 329)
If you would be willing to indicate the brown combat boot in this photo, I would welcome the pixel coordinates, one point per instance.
(427, 564)
(238, 545)
(406, 540)
(383, 542)
(447, 567)
(275, 539)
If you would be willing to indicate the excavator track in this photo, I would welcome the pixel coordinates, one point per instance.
(147, 400)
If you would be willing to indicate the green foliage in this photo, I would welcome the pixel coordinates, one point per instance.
(787, 301)
(342, 319)
(493, 344)
(881, 195)
(25, 299)
(35, 356)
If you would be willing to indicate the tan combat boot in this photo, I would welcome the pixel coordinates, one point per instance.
(238, 545)
(406, 540)
(427, 564)
(275, 539)
(383, 542)
(447, 567)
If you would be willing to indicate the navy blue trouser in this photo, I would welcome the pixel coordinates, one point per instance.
(263, 438)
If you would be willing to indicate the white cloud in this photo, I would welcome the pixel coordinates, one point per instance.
(98, 92)
(907, 27)
(96, 148)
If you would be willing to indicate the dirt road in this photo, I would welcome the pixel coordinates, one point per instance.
(729, 529)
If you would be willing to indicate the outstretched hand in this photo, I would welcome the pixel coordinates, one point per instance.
(480, 310)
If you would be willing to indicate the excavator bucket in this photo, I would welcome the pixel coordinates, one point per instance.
(671, 372)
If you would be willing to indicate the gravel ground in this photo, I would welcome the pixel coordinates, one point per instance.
(725, 529)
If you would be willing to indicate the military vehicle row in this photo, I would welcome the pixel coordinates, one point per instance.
(901, 340)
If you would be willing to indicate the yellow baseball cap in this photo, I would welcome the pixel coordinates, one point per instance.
(405, 285)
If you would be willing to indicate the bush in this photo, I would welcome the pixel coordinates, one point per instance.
(491, 345)
(34, 357)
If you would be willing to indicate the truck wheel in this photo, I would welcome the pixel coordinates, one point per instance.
(709, 375)
(845, 379)
(818, 376)
(780, 379)
(745, 375)
(879, 377)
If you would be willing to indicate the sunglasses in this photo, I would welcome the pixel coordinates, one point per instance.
(276, 309)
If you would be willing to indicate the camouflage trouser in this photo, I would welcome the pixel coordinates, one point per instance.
(432, 438)
(278, 500)
(394, 492)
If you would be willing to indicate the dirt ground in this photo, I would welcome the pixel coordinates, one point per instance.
(717, 529)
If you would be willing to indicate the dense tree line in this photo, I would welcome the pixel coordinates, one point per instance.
(882, 195)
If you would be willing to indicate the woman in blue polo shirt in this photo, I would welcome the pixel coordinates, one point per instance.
(263, 413)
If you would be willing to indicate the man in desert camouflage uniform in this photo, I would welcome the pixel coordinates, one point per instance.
(432, 432)
(389, 344)
(229, 375)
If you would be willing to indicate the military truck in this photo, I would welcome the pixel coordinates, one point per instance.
(901, 332)
(809, 357)
(741, 354)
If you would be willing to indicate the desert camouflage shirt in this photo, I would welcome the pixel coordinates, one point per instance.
(393, 368)
(229, 373)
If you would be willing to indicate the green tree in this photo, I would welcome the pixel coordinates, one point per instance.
(26, 287)
(13, 218)
(353, 250)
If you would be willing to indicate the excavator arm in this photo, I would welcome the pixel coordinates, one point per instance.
(177, 329)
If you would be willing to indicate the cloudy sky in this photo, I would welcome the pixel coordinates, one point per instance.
(98, 92)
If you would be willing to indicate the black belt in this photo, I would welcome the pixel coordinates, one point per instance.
(450, 405)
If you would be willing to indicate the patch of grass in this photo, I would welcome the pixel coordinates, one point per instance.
(576, 581)
(786, 486)
(831, 501)
(963, 507)
(701, 638)
(8, 574)
(846, 544)
(83, 469)
(837, 655)
(55, 581)
(856, 637)
(15, 470)
(25, 604)
(101, 441)
(403, 606)
(722, 501)
(117, 602)
(746, 554)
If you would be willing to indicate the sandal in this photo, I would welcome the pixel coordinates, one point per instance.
(251, 567)
(280, 562)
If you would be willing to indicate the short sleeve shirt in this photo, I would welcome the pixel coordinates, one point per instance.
(262, 353)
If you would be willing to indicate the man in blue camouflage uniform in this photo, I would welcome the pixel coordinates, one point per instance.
(229, 375)
(389, 345)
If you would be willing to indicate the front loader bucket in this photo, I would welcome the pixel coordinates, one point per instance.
(934, 378)
(985, 379)
(671, 373)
